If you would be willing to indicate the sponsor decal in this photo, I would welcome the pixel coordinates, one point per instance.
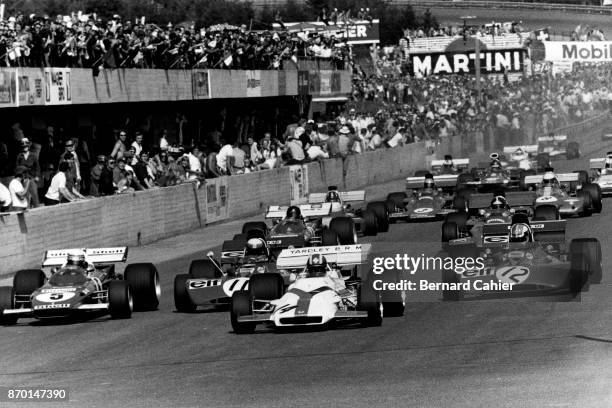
(447, 63)
(578, 51)
(52, 306)
(512, 274)
(315, 250)
(423, 210)
(274, 242)
(54, 297)
(58, 290)
(199, 284)
(235, 285)
(496, 239)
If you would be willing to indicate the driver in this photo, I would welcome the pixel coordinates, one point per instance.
(521, 233)
(448, 166)
(316, 266)
(496, 166)
(77, 260)
(499, 203)
(334, 198)
(429, 187)
(256, 247)
(550, 184)
(294, 213)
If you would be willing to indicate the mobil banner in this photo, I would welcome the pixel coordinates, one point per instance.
(578, 51)
(464, 62)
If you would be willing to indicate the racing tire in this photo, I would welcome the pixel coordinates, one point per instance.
(7, 301)
(241, 305)
(587, 203)
(450, 276)
(545, 213)
(204, 269)
(397, 198)
(370, 223)
(120, 301)
(579, 273)
(460, 218)
(251, 225)
(182, 301)
(329, 238)
(393, 308)
(345, 228)
(464, 178)
(143, 279)
(583, 176)
(27, 281)
(464, 193)
(594, 191)
(368, 300)
(421, 173)
(266, 286)
(591, 249)
(542, 161)
(240, 237)
(391, 209)
(379, 209)
(449, 231)
(572, 150)
(460, 203)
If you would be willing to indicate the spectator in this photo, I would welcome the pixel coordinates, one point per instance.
(119, 172)
(143, 173)
(295, 150)
(137, 145)
(5, 198)
(107, 186)
(120, 146)
(239, 156)
(29, 159)
(315, 152)
(59, 190)
(344, 141)
(18, 188)
(71, 156)
(96, 173)
(195, 165)
(224, 158)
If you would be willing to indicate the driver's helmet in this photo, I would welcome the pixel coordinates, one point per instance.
(429, 185)
(519, 152)
(77, 259)
(549, 179)
(294, 212)
(255, 247)
(495, 165)
(521, 233)
(448, 162)
(332, 197)
(608, 161)
(316, 265)
(499, 203)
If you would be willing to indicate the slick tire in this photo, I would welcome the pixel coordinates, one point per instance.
(27, 281)
(204, 269)
(266, 286)
(7, 301)
(120, 301)
(591, 249)
(143, 279)
(182, 301)
(260, 225)
(345, 228)
(381, 212)
(370, 223)
(241, 305)
(329, 237)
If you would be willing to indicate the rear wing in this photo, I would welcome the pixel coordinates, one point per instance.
(513, 198)
(597, 164)
(446, 180)
(58, 257)
(345, 196)
(307, 210)
(341, 255)
(457, 163)
(562, 178)
(541, 231)
(556, 138)
(531, 149)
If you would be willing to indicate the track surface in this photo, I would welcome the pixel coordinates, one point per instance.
(476, 353)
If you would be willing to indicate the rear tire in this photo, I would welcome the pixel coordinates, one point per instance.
(379, 209)
(204, 269)
(587, 203)
(345, 228)
(460, 203)
(241, 306)
(449, 231)
(421, 173)
(460, 218)
(329, 238)
(182, 301)
(594, 191)
(579, 273)
(26, 281)
(143, 279)
(370, 223)
(7, 301)
(368, 301)
(397, 198)
(120, 302)
(591, 248)
(546, 213)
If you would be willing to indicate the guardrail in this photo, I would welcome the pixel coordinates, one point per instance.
(577, 8)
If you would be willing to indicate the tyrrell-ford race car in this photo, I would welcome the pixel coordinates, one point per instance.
(566, 192)
(318, 295)
(524, 259)
(429, 198)
(557, 146)
(212, 282)
(492, 177)
(80, 280)
(602, 173)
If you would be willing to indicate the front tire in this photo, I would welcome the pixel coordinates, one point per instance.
(329, 238)
(182, 301)
(204, 269)
(26, 281)
(370, 223)
(591, 249)
(242, 305)
(266, 286)
(120, 302)
(143, 279)
(595, 192)
(7, 301)
(379, 209)
(345, 228)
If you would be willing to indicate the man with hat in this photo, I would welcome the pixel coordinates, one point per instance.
(18, 187)
(295, 149)
(28, 159)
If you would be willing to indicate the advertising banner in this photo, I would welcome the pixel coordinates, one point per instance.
(298, 177)
(303, 83)
(8, 88)
(446, 63)
(217, 196)
(201, 84)
(578, 51)
(30, 87)
(57, 86)
(356, 32)
(253, 83)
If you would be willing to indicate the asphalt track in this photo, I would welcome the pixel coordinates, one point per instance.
(439, 354)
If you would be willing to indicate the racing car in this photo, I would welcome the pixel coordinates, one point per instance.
(446, 166)
(525, 157)
(602, 173)
(524, 259)
(429, 198)
(213, 282)
(319, 294)
(80, 281)
(557, 146)
(565, 192)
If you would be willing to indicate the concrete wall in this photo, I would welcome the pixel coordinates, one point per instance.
(146, 216)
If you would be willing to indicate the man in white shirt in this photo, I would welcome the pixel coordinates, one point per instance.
(223, 158)
(18, 188)
(57, 189)
(315, 152)
(5, 198)
(137, 145)
(195, 165)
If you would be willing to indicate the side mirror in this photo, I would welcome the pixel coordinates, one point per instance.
(210, 254)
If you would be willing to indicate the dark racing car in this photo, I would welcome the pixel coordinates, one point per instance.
(81, 281)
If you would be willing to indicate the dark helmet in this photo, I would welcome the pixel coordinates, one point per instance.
(294, 212)
(521, 233)
(499, 203)
(429, 183)
(316, 265)
(495, 164)
(548, 178)
(448, 161)
(256, 246)
(332, 197)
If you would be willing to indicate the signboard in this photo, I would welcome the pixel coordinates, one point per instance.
(356, 32)
(253, 83)
(217, 199)
(446, 63)
(200, 84)
(298, 178)
(8, 88)
(57, 86)
(30, 87)
(303, 83)
(578, 51)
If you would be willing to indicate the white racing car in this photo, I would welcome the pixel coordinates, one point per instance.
(602, 173)
(318, 295)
